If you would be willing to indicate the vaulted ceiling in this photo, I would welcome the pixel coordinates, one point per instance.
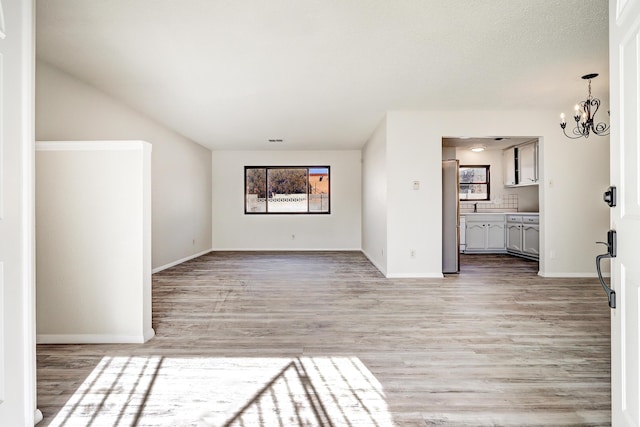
(320, 74)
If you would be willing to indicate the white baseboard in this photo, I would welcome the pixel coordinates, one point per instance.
(37, 416)
(375, 264)
(180, 261)
(572, 275)
(286, 250)
(415, 276)
(402, 275)
(94, 338)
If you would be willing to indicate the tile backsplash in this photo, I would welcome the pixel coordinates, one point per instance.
(500, 203)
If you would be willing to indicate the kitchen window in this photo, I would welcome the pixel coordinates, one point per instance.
(474, 182)
(287, 190)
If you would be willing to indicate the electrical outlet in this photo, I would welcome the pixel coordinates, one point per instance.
(412, 253)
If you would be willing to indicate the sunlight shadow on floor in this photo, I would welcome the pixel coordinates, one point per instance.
(163, 391)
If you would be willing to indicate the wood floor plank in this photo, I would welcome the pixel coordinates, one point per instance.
(244, 337)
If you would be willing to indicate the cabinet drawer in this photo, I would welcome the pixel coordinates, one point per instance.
(514, 218)
(484, 217)
(530, 219)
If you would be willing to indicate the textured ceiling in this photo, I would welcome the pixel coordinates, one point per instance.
(320, 74)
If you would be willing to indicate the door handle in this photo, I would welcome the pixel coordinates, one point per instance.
(611, 253)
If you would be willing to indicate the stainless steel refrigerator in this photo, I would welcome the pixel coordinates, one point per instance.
(450, 217)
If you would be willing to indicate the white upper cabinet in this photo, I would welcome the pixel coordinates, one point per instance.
(528, 164)
(521, 165)
(509, 162)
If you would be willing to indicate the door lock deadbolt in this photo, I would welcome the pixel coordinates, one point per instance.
(609, 196)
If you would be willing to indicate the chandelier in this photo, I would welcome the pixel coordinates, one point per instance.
(585, 115)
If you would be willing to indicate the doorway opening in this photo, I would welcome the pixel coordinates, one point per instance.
(493, 209)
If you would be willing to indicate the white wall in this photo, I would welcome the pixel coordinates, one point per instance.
(374, 198)
(414, 217)
(17, 283)
(575, 175)
(448, 153)
(93, 242)
(233, 230)
(527, 196)
(68, 109)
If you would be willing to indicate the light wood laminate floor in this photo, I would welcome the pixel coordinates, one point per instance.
(322, 338)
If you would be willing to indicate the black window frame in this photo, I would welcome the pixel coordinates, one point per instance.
(308, 173)
(487, 182)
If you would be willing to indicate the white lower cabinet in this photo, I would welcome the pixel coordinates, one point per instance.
(531, 239)
(523, 235)
(495, 236)
(485, 233)
(499, 233)
(514, 237)
(475, 236)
